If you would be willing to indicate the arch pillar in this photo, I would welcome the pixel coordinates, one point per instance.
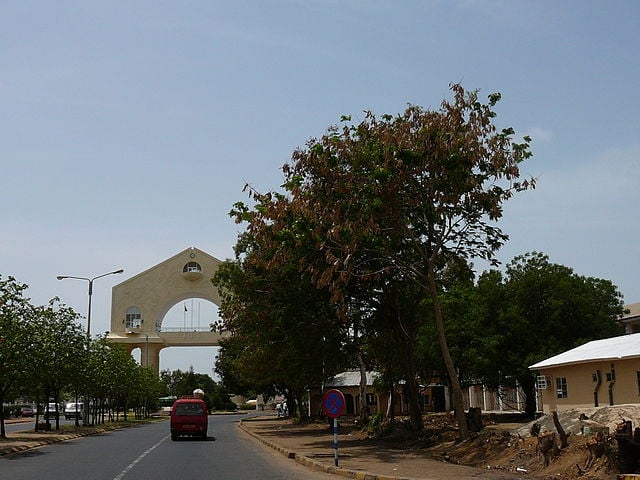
(150, 356)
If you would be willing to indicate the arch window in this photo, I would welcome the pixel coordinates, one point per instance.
(133, 318)
(192, 267)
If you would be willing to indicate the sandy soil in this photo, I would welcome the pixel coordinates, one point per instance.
(501, 450)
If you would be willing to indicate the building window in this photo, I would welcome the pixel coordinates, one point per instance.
(192, 267)
(372, 399)
(561, 387)
(133, 318)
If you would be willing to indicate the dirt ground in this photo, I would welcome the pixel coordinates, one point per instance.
(500, 450)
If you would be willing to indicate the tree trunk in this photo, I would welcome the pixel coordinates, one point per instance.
(390, 413)
(564, 443)
(414, 404)
(364, 410)
(3, 433)
(409, 370)
(413, 397)
(456, 390)
(474, 419)
(528, 387)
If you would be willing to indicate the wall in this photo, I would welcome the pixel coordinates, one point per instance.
(618, 385)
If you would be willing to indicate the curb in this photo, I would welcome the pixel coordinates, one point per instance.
(58, 438)
(315, 465)
(48, 441)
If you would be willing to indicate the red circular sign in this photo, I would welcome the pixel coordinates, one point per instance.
(334, 403)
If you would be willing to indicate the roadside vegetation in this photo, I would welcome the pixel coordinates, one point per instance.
(177, 383)
(364, 260)
(46, 358)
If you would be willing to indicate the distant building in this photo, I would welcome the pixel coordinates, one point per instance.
(631, 320)
(598, 373)
(434, 396)
(349, 384)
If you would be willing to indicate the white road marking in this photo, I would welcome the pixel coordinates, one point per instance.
(133, 464)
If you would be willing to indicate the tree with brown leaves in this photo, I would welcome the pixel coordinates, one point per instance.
(396, 198)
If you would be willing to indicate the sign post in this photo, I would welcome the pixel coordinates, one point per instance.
(334, 405)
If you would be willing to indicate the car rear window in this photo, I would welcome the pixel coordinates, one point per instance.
(189, 409)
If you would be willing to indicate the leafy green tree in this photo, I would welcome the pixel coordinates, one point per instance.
(146, 391)
(15, 314)
(119, 375)
(179, 383)
(398, 197)
(96, 381)
(220, 399)
(391, 337)
(57, 349)
(285, 331)
(537, 310)
(507, 321)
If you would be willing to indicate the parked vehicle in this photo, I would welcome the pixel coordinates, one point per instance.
(51, 412)
(189, 416)
(24, 411)
(72, 410)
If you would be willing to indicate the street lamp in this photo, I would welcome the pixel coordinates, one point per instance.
(90, 280)
(85, 407)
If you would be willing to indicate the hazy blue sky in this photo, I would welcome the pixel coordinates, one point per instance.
(129, 128)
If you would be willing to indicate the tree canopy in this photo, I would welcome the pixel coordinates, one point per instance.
(46, 356)
(402, 196)
(394, 199)
(285, 334)
(366, 258)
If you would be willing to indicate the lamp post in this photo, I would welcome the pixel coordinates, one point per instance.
(85, 407)
(90, 280)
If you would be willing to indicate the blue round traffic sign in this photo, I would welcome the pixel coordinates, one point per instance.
(333, 403)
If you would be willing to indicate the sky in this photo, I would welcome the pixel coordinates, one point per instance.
(128, 129)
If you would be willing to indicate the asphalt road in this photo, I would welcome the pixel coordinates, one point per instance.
(147, 452)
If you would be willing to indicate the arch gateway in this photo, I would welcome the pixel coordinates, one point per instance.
(139, 305)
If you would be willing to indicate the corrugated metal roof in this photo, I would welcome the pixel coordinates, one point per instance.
(350, 378)
(615, 348)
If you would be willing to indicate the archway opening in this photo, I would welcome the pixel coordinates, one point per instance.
(191, 315)
(202, 359)
(136, 353)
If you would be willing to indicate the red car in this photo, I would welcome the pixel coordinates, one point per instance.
(189, 416)
(24, 411)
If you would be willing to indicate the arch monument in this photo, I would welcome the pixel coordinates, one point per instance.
(139, 305)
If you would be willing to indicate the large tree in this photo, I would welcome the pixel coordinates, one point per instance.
(397, 197)
(15, 315)
(285, 335)
(538, 309)
(58, 346)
